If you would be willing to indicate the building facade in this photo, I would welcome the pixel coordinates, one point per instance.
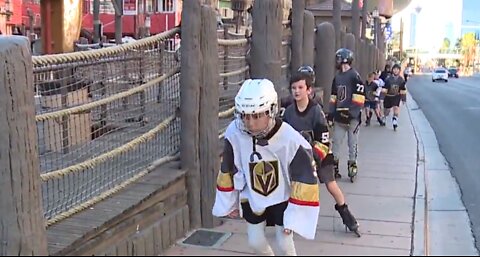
(163, 15)
(470, 17)
(10, 16)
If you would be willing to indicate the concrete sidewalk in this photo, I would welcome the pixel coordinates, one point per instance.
(382, 199)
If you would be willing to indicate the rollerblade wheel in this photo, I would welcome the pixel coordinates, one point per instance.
(357, 233)
(352, 174)
(353, 178)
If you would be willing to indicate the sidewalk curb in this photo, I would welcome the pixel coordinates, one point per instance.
(420, 235)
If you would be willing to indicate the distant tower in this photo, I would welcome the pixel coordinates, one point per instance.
(413, 26)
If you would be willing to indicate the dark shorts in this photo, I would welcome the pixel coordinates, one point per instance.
(371, 104)
(391, 101)
(326, 174)
(272, 214)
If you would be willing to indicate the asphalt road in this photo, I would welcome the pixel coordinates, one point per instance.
(453, 110)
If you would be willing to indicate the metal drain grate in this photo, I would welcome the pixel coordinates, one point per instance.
(206, 238)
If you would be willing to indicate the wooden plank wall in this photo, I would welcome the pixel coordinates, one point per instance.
(144, 219)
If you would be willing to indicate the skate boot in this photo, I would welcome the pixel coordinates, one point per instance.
(336, 169)
(380, 121)
(352, 170)
(348, 220)
(395, 123)
(384, 122)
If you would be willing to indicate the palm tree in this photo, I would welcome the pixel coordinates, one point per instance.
(445, 45)
(468, 50)
(458, 45)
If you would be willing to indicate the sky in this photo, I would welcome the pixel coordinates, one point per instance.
(471, 16)
(436, 20)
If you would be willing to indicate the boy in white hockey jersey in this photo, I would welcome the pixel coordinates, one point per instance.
(268, 167)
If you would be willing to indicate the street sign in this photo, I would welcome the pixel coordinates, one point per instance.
(388, 32)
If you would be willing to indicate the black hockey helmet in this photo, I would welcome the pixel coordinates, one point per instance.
(308, 71)
(343, 56)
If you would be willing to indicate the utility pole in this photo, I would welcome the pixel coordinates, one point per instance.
(96, 22)
(364, 19)
(401, 38)
(118, 5)
(31, 25)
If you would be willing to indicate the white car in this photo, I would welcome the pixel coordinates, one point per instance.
(440, 74)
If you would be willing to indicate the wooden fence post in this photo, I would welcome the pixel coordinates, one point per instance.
(355, 18)
(22, 225)
(298, 8)
(267, 40)
(191, 71)
(350, 44)
(337, 23)
(308, 38)
(225, 58)
(364, 19)
(325, 60)
(209, 108)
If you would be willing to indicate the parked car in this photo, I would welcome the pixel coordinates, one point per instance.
(440, 74)
(453, 73)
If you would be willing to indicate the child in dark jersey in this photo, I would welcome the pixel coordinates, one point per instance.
(306, 116)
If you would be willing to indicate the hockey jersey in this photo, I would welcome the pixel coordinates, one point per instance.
(269, 171)
(312, 125)
(347, 97)
(371, 92)
(395, 86)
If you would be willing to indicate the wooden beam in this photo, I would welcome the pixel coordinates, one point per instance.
(22, 225)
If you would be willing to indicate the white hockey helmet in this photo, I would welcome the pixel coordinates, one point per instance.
(256, 96)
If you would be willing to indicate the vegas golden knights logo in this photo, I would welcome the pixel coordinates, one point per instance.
(264, 176)
(341, 93)
(394, 89)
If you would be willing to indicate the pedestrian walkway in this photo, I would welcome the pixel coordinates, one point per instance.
(382, 199)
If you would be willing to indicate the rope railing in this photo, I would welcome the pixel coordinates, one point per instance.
(232, 42)
(112, 191)
(226, 114)
(132, 93)
(89, 164)
(102, 117)
(97, 53)
(236, 72)
(89, 106)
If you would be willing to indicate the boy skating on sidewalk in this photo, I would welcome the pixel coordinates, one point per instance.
(307, 117)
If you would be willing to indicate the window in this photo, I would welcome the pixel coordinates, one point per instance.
(166, 5)
(149, 6)
(106, 7)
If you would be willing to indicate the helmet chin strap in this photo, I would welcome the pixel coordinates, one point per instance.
(264, 133)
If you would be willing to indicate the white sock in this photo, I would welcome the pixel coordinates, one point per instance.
(285, 242)
(257, 240)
